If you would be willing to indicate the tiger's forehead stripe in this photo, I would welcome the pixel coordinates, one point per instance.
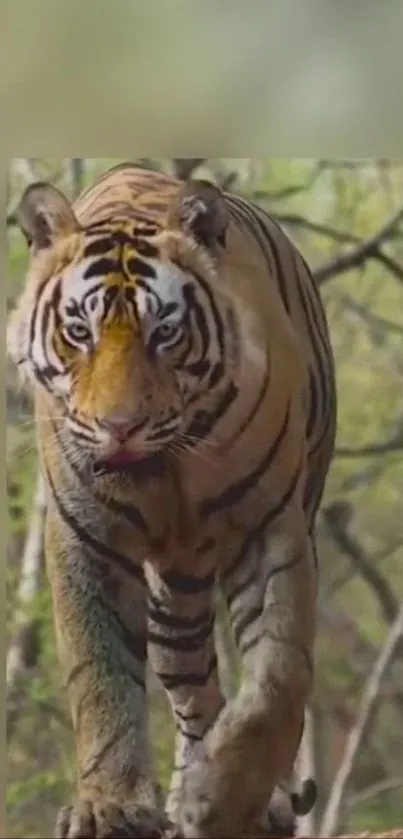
(115, 258)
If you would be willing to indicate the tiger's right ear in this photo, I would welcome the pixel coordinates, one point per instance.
(44, 214)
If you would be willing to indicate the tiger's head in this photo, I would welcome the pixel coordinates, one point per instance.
(127, 327)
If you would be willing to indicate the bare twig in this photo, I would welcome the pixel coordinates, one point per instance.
(394, 444)
(369, 698)
(295, 220)
(363, 251)
(373, 790)
(23, 651)
(379, 324)
(338, 518)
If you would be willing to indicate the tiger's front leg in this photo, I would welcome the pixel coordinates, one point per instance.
(253, 745)
(182, 652)
(99, 611)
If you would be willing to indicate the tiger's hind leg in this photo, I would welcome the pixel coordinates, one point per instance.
(254, 743)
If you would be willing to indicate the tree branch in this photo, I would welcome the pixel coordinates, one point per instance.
(295, 220)
(342, 236)
(393, 444)
(378, 324)
(338, 519)
(23, 651)
(365, 713)
(363, 251)
(373, 790)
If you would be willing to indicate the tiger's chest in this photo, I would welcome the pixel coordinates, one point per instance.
(194, 521)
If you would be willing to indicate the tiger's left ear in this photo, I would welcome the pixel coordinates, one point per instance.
(199, 210)
(44, 214)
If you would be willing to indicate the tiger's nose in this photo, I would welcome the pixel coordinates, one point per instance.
(121, 426)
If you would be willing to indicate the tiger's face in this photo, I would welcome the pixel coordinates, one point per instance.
(121, 325)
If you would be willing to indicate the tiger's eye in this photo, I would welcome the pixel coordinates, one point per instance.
(77, 332)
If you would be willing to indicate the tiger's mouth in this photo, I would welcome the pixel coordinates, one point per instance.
(135, 464)
(125, 457)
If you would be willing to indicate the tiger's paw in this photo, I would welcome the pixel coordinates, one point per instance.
(197, 813)
(95, 820)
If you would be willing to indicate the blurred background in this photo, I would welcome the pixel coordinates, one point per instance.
(347, 218)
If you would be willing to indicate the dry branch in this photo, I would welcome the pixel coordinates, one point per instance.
(23, 651)
(393, 444)
(369, 697)
(338, 518)
(363, 251)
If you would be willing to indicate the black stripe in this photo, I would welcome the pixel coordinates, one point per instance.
(237, 491)
(311, 328)
(249, 215)
(187, 717)
(141, 245)
(317, 302)
(216, 314)
(103, 227)
(139, 267)
(186, 584)
(240, 588)
(203, 422)
(95, 762)
(313, 400)
(89, 540)
(102, 267)
(245, 621)
(98, 247)
(329, 423)
(156, 612)
(251, 416)
(188, 643)
(173, 681)
(48, 372)
(32, 326)
(257, 533)
(46, 312)
(189, 734)
(283, 566)
(319, 346)
(196, 310)
(246, 646)
(312, 305)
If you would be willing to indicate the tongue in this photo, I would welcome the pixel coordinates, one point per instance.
(122, 458)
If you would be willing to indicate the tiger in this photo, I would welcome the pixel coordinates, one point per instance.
(178, 355)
